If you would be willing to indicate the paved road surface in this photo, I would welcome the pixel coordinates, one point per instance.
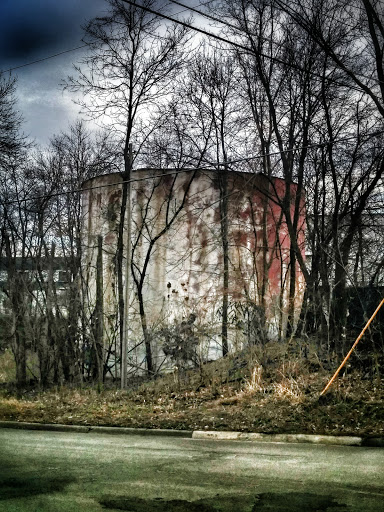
(64, 472)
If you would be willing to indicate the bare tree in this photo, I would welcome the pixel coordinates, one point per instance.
(211, 93)
(130, 67)
(318, 116)
(11, 139)
(13, 222)
(282, 103)
(71, 158)
(349, 37)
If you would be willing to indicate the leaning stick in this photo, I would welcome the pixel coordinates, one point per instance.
(352, 349)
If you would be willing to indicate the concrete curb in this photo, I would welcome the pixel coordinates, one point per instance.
(53, 427)
(377, 442)
(279, 438)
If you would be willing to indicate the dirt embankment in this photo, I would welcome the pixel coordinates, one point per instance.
(268, 391)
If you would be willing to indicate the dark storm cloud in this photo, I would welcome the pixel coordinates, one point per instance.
(30, 29)
(35, 29)
(26, 42)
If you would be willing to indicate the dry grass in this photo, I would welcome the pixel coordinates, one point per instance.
(260, 390)
(255, 383)
(290, 389)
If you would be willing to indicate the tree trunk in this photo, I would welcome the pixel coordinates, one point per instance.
(223, 180)
(99, 323)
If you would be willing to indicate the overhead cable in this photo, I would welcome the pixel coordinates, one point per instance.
(239, 29)
(43, 59)
(239, 46)
(213, 167)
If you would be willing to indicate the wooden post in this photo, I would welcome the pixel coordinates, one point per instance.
(352, 349)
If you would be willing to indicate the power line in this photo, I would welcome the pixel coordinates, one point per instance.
(239, 29)
(187, 25)
(44, 59)
(80, 190)
(307, 146)
(206, 15)
(330, 18)
(201, 13)
(240, 46)
(222, 21)
(214, 166)
(307, 27)
(187, 8)
(78, 47)
(289, 150)
(204, 32)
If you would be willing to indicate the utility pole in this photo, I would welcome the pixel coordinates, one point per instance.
(128, 249)
(99, 334)
(224, 226)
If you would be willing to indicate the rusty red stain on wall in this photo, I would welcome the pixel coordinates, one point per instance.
(190, 255)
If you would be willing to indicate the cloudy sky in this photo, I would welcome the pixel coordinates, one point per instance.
(35, 29)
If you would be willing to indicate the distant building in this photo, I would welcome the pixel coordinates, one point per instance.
(34, 275)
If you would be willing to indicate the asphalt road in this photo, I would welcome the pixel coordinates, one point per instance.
(64, 472)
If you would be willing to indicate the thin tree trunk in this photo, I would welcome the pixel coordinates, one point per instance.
(223, 179)
(99, 327)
